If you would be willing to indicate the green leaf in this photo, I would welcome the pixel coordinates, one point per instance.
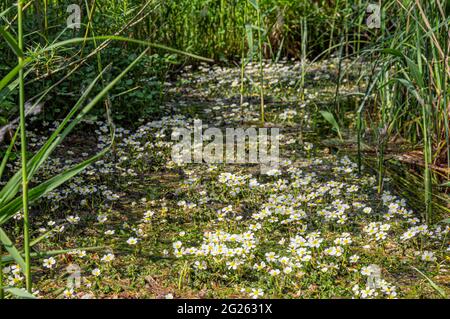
(7, 154)
(12, 250)
(5, 12)
(11, 42)
(330, 119)
(411, 88)
(249, 33)
(254, 4)
(40, 238)
(49, 253)
(11, 75)
(10, 209)
(19, 292)
(254, 27)
(14, 84)
(446, 184)
(432, 284)
(123, 39)
(414, 70)
(394, 52)
(12, 187)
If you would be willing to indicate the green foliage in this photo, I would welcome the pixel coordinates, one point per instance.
(438, 289)
(329, 117)
(411, 82)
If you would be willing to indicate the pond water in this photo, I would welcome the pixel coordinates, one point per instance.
(314, 227)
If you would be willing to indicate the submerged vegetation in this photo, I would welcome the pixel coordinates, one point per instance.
(93, 205)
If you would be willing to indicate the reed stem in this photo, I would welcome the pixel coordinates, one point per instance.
(2, 292)
(23, 152)
(261, 67)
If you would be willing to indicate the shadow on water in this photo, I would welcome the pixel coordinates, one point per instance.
(403, 178)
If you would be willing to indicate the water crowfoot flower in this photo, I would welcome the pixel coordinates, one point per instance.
(96, 272)
(108, 258)
(132, 241)
(49, 262)
(256, 293)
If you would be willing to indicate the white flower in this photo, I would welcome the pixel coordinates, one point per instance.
(60, 228)
(96, 272)
(408, 235)
(102, 218)
(366, 271)
(367, 292)
(256, 293)
(355, 289)
(287, 270)
(73, 219)
(314, 242)
(428, 256)
(307, 146)
(49, 263)
(132, 241)
(108, 258)
(274, 272)
(273, 172)
(15, 269)
(177, 245)
(380, 236)
(232, 264)
(271, 256)
(253, 183)
(260, 266)
(149, 214)
(68, 293)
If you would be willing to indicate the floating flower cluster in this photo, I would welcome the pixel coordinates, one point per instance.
(313, 227)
